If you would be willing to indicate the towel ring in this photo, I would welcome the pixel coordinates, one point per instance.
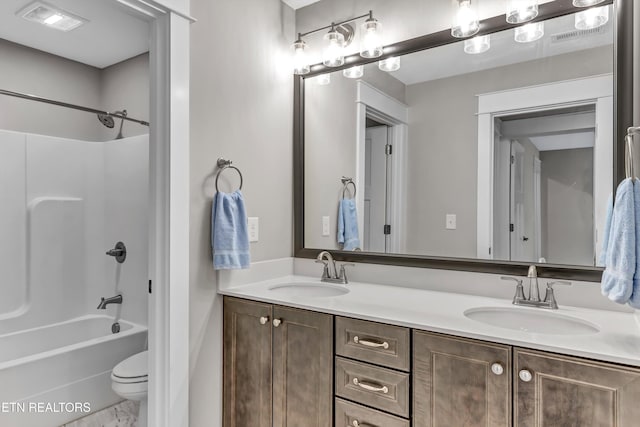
(226, 164)
(346, 185)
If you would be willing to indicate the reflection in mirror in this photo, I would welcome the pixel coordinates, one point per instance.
(492, 155)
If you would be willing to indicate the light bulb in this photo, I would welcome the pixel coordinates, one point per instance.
(529, 32)
(519, 11)
(592, 18)
(465, 20)
(322, 79)
(371, 45)
(353, 72)
(586, 3)
(333, 55)
(389, 64)
(478, 44)
(300, 60)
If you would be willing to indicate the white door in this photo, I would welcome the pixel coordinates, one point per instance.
(501, 206)
(519, 240)
(375, 191)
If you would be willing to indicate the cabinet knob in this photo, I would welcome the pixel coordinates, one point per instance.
(525, 375)
(497, 368)
(277, 322)
(264, 320)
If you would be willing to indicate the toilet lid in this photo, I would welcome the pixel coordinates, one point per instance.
(132, 367)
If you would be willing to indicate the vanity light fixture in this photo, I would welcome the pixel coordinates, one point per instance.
(465, 18)
(478, 44)
(529, 32)
(586, 3)
(592, 18)
(333, 55)
(51, 16)
(354, 72)
(300, 59)
(389, 64)
(519, 11)
(371, 36)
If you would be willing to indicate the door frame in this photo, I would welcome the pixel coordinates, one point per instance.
(371, 102)
(595, 90)
(169, 183)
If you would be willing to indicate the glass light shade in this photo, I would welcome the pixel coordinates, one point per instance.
(300, 60)
(529, 32)
(389, 64)
(333, 55)
(353, 72)
(322, 79)
(371, 44)
(592, 18)
(465, 19)
(586, 3)
(478, 44)
(519, 11)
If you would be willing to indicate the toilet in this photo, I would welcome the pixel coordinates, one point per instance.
(129, 380)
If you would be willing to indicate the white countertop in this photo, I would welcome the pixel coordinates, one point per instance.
(618, 339)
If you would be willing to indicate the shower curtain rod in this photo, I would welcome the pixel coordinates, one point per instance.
(67, 105)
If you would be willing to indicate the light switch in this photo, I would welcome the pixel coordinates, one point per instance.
(450, 222)
(325, 225)
(254, 228)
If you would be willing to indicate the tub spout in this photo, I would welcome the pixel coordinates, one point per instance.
(104, 302)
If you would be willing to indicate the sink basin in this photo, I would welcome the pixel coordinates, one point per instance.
(527, 320)
(310, 290)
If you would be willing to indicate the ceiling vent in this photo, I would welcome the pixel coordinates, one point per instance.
(50, 16)
(576, 34)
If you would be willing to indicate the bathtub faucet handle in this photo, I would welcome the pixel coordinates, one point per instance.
(104, 302)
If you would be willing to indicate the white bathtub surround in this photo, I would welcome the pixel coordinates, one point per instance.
(123, 414)
(65, 362)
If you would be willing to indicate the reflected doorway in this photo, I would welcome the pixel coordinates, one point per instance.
(377, 189)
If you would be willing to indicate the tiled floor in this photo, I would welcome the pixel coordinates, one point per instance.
(123, 414)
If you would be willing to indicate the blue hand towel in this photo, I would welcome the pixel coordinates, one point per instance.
(602, 261)
(229, 234)
(348, 225)
(634, 299)
(620, 265)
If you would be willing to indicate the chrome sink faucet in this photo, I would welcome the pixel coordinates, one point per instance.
(330, 272)
(104, 302)
(533, 299)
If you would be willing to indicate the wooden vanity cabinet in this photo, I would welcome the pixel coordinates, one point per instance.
(556, 390)
(460, 382)
(278, 366)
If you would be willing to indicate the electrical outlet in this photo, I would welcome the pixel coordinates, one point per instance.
(450, 222)
(254, 228)
(325, 225)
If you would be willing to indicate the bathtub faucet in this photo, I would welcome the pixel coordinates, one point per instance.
(104, 302)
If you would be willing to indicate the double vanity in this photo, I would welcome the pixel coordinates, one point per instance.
(301, 352)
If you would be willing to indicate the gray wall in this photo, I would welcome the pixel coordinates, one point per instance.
(241, 108)
(123, 85)
(443, 135)
(567, 206)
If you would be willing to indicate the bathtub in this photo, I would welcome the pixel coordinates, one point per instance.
(56, 373)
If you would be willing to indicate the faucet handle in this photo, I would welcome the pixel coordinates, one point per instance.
(558, 282)
(549, 296)
(519, 296)
(343, 271)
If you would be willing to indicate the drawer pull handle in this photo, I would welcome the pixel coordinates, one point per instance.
(356, 423)
(371, 386)
(369, 343)
(264, 320)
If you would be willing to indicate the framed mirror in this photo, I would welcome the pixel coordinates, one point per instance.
(489, 154)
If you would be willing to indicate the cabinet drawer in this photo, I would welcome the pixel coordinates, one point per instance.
(373, 386)
(372, 342)
(349, 415)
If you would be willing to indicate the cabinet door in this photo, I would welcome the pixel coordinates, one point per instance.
(562, 391)
(302, 368)
(460, 382)
(247, 363)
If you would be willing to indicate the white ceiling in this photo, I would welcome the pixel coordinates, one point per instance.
(113, 34)
(450, 60)
(297, 4)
